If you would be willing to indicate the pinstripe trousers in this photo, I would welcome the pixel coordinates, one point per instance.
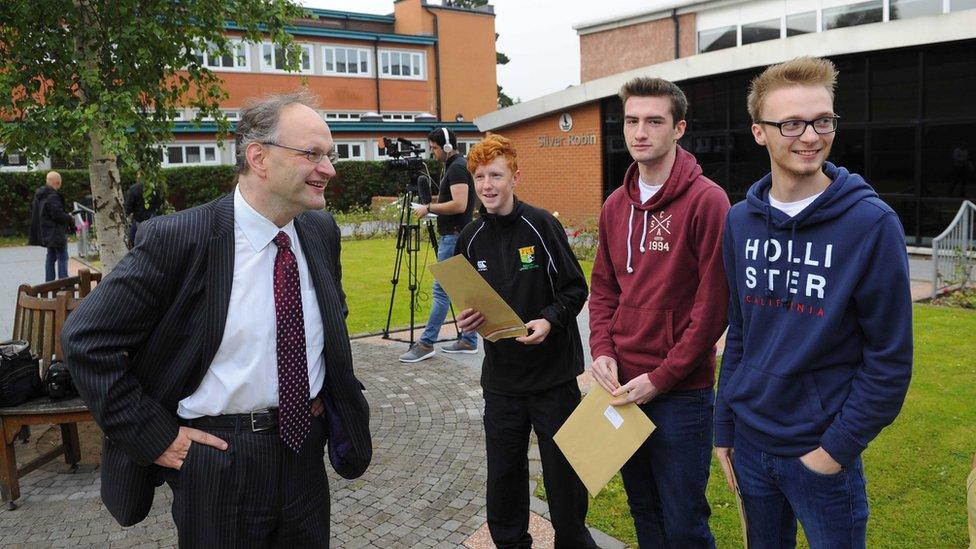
(257, 493)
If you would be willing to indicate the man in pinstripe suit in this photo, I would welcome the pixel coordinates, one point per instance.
(215, 356)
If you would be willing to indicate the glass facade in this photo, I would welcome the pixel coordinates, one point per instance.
(760, 31)
(801, 23)
(716, 39)
(851, 15)
(906, 126)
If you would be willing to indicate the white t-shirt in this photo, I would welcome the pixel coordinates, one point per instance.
(792, 208)
(647, 191)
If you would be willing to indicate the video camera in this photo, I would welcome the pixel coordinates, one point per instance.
(403, 153)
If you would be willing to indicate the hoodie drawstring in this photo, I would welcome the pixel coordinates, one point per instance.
(643, 234)
(630, 234)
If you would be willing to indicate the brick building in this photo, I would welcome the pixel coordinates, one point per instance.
(400, 75)
(907, 68)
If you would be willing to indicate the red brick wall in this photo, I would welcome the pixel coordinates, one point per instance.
(567, 178)
(617, 50)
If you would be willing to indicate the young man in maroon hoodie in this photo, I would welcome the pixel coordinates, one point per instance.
(658, 304)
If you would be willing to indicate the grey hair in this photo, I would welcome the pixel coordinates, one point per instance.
(259, 121)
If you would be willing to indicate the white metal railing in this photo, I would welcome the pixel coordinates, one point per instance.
(85, 229)
(954, 251)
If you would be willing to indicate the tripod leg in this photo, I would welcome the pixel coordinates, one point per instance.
(402, 237)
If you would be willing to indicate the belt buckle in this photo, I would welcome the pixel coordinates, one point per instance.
(254, 428)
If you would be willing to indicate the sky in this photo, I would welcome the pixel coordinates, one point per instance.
(537, 35)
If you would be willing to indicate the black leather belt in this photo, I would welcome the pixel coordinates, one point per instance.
(261, 420)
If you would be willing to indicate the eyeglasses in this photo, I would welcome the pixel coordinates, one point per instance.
(795, 128)
(313, 156)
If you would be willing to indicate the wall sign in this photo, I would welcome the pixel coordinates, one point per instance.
(574, 140)
(565, 122)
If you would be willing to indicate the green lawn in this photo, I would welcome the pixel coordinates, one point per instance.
(367, 268)
(916, 468)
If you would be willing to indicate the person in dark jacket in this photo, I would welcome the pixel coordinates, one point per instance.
(137, 208)
(49, 225)
(529, 382)
(818, 356)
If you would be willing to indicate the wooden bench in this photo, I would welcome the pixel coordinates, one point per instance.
(39, 317)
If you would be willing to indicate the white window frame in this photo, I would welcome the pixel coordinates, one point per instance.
(350, 145)
(217, 147)
(307, 49)
(362, 53)
(342, 116)
(232, 115)
(464, 145)
(417, 57)
(26, 166)
(239, 47)
(399, 116)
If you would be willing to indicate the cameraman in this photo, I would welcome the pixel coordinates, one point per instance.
(453, 208)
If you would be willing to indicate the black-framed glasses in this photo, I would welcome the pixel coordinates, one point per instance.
(313, 156)
(795, 128)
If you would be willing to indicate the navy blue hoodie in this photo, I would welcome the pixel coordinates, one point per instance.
(819, 348)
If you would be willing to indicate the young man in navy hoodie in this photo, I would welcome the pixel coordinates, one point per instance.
(819, 351)
(657, 307)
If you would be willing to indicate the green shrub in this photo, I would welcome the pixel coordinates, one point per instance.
(356, 182)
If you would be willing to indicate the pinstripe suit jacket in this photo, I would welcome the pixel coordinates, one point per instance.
(145, 337)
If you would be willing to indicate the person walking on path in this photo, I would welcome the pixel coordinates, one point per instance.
(215, 355)
(141, 208)
(818, 356)
(454, 206)
(49, 226)
(657, 308)
(529, 383)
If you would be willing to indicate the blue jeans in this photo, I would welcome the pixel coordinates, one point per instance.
(667, 476)
(440, 303)
(59, 256)
(778, 490)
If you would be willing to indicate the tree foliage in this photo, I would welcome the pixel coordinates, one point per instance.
(100, 80)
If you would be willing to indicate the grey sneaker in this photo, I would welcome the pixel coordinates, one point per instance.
(460, 346)
(419, 351)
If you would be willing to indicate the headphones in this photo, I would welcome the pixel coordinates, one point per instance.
(447, 141)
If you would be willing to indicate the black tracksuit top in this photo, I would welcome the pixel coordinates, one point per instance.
(525, 256)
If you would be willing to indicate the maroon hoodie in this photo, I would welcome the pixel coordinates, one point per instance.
(659, 297)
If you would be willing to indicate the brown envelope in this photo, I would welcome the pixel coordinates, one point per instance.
(598, 438)
(468, 290)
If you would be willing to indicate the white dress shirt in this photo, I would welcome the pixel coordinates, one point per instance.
(243, 376)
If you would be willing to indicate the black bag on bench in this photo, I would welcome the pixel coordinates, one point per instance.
(20, 378)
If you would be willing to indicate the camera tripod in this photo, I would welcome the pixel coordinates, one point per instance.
(408, 245)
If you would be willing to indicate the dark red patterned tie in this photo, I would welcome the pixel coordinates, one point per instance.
(294, 414)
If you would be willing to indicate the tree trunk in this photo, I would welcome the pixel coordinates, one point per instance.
(106, 187)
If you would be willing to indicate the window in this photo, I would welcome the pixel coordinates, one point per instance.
(906, 9)
(230, 115)
(959, 5)
(351, 150)
(716, 39)
(239, 57)
(760, 31)
(342, 116)
(346, 61)
(190, 154)
(852, 15)
(464, 145)
(801, 23)
(273, 58)
(398, 117)
(403, 64)
(12, 161)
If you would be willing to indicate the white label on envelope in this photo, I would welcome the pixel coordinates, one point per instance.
(614, 417)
